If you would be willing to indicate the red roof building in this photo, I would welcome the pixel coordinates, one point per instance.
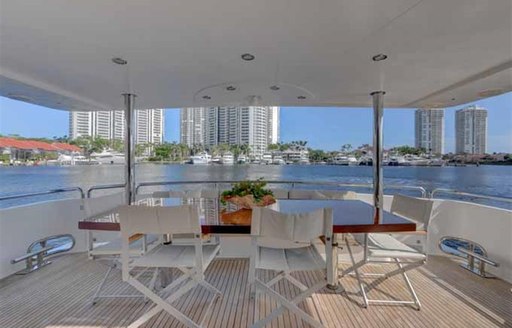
(34, 145)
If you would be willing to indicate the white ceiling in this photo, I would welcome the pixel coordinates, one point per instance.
(57, 53)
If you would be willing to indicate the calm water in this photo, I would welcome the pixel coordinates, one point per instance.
(489, 180)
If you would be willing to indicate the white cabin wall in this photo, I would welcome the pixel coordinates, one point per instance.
(20, 226)
(490, 227)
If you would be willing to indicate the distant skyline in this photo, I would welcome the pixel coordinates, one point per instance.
(324, 128)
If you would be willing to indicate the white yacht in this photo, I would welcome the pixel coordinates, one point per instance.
(227, 158)
(108, 157)
(117, 54)
(278, 160)
(67, 160)
(242, 159)
(342, 159)
(266, 158)
(216, 159)
(201, 158)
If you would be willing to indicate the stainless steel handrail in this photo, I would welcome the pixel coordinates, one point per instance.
(467, 194)
(422, 190)
(48, 192)
(103, 187)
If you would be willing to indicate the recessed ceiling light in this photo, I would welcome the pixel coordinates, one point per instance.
(247, 57)
(119, 61)
(231, 88)
(275, 88)
(207, 97)
(301, 97)
(379, 57)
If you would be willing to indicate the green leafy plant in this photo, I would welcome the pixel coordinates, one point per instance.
(243, 188)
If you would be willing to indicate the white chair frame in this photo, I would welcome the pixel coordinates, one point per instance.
(166, 220)
(96, 206)
(325, 220)
(415, 209)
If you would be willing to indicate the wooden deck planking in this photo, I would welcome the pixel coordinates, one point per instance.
(58, 296)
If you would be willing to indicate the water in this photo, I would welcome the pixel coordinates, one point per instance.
(488, 180)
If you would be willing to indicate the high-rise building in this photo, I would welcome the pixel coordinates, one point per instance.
(149, 125)
(192, 126)
(471, 130)
(429, 130)
(256, 126)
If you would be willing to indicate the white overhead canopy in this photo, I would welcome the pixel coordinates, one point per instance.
(57, 53)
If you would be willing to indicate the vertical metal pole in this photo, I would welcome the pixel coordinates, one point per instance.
(129, 147)
(378, 194)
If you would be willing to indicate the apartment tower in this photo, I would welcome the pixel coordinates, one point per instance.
(429, 130)
(471, 130)
(149, 125)
(256, 126)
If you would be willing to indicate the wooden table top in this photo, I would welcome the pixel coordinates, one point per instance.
(349, 216)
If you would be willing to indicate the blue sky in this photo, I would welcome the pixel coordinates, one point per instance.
(325, 128)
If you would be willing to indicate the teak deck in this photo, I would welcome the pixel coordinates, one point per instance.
(59, 295)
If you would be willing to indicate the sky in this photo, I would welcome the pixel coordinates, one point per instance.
(323, 128)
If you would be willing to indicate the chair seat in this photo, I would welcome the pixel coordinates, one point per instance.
(175, 256)
(291, 259)
(385, 246)
(113, 247)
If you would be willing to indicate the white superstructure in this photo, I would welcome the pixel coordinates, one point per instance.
(429, 130)
(471, 130)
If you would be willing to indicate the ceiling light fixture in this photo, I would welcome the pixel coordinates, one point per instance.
(301, 97)
(379, 57)
(247, 57)
(231, 88)
(207, 97)
(119, 61)
(274, 88)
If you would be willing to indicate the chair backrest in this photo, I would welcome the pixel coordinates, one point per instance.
(159, 219)
(135, 219)
(280, 230)
(280, 193)
(103, 204)
(418, 210)
(321, 194)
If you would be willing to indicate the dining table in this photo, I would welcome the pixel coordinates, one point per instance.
(219, 218)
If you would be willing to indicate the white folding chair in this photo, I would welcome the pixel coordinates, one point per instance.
(284, 243)
(109, 252)
(191, 260)
(321, 194)
(384, 248)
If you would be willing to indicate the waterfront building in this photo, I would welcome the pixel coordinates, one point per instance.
(429, 130)
(471, 130)
(192, 126)
(149, 125)
(256, 126)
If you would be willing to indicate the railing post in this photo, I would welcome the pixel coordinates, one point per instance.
(129, 147)
(378, 193)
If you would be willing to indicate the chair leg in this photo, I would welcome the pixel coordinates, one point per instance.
(356, 267)
(409, 285)
(100, 287)
(160, 305)
(290, 305)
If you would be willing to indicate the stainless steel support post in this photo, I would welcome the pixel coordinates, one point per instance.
(129, 147)
(378, 194)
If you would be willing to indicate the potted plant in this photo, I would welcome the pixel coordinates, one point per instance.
(248, 194)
